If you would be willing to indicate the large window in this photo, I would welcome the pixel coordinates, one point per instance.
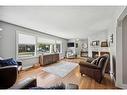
(26, 45)
(44, 45)
(43, 48)
(58, 46)
(29, 45)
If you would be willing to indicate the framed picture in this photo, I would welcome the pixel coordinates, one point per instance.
(104, 44)
(95, 43)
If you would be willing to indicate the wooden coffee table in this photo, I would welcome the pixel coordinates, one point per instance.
(45, 79)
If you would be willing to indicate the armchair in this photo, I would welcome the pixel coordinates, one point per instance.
(95, 69)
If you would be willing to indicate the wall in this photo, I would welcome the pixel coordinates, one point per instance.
(124, 39)
(117, 47)
(8, 41)
(121, 45)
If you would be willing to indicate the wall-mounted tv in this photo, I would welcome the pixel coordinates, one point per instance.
(70, 44)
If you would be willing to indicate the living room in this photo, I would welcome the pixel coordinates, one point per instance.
(57, 51)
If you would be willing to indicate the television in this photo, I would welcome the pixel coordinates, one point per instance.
(70, 44)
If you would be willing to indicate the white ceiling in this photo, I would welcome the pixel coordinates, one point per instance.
(66, 22)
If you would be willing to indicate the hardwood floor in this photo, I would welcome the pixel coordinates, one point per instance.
(45, 79)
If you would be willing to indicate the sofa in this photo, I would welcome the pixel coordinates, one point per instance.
(95, 69)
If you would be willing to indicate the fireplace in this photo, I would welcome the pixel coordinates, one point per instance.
(95, 54)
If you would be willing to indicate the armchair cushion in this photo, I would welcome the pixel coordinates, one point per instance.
(7, 62)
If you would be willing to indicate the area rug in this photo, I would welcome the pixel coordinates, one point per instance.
(61, 69)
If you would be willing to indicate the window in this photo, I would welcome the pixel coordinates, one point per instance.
(26, 45)
(58, 46)
(44, 45)
(43, 48)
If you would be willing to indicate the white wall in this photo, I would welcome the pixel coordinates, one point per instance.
(124, 36)
(8, 41)
(116, 49)
(121, 46)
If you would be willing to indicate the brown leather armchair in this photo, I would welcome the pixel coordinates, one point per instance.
(95, 69)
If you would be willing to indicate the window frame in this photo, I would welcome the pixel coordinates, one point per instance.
(17, 43)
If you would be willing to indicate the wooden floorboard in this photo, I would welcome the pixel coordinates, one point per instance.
(45, 79)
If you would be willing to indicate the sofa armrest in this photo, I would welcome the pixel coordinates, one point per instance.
(89, 65)
(25, 84)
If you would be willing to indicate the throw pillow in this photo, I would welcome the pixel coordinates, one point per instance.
(94, 61)
(90, 59)
(7, 62)
(98, 60)
(101, 62)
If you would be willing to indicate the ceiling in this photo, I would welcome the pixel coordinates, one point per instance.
(63, 21)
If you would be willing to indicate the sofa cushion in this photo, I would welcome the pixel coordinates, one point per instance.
(7, 62)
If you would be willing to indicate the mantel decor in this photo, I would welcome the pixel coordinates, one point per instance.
(95, 43)
(104, 44)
